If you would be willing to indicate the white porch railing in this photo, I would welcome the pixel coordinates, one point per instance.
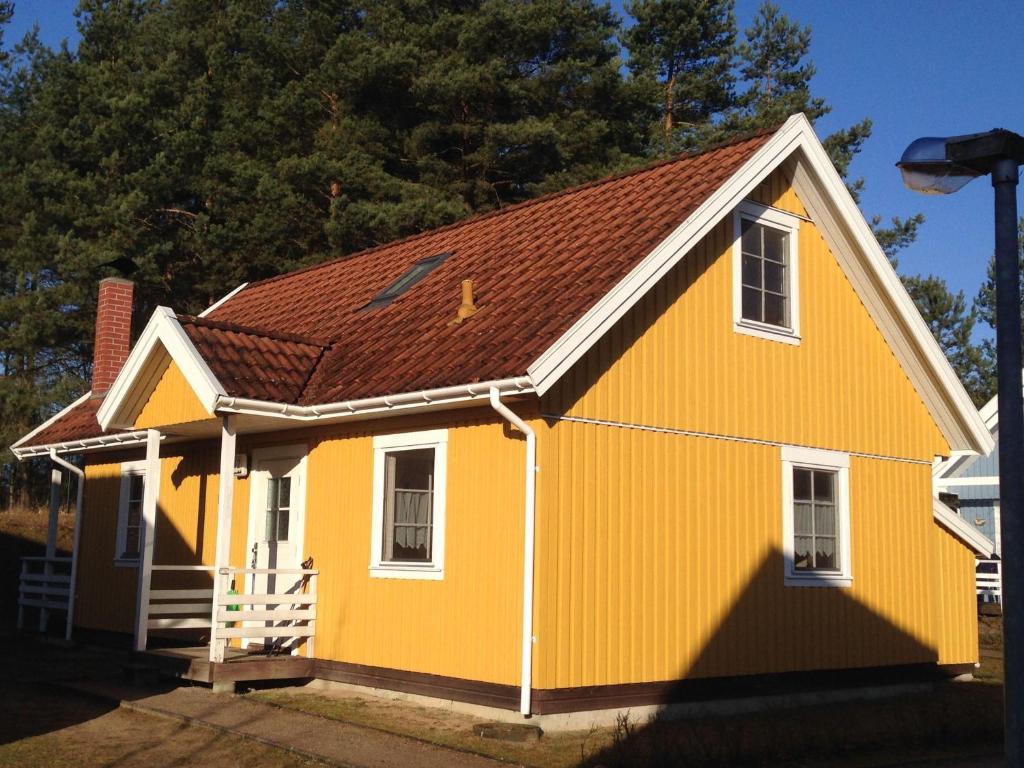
(989, 578)
(181, 608)
(45, 584)
(287, 613)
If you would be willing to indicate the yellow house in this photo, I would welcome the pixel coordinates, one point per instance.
(660, 436)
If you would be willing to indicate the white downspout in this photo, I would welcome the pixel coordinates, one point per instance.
(78, 534)
(529, 527)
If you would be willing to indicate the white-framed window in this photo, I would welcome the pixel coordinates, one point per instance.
(816, 517)
(409, 479)
(129, 513)
(766, 295)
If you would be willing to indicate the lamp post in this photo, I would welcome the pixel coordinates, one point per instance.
(942, 166)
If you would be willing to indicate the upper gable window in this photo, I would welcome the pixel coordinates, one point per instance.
(413, 275)
(766, 300)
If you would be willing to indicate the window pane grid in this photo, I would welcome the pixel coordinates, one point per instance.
(815, 521)
(133, 517)
(764, 275)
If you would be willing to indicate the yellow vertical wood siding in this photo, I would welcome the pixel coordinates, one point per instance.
(186, 531)
(660, 558)
(658, 554)
(956, 601)
(172, 401)
(466, 625)
(105, 593)
(675, 361)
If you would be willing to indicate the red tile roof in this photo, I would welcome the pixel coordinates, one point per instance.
(77, 424)
(537, 267)
(256, 364)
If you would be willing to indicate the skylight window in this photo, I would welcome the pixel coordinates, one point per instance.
(413, 275)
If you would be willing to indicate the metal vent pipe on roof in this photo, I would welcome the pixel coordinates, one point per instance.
(468, 308)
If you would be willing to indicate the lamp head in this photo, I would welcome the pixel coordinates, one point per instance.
(926, 168)
(940, 166)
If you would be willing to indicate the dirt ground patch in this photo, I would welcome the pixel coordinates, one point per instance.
(123, 738)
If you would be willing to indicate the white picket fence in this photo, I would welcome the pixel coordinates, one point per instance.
(180, 608)
(45, 583)
(284, 616)
(989, 578)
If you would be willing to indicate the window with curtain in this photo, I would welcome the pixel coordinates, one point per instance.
(815, 520)
(409, 481)
(408, 505)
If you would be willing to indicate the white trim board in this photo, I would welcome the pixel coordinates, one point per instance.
(162, 338)
(834, 211)
(961, 529)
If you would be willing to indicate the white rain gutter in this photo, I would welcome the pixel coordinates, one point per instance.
(78, 446)
(404, 401)
(78, 535)
(529, 528)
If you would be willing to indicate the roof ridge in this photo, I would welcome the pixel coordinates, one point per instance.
(738, 139)
(236, 328)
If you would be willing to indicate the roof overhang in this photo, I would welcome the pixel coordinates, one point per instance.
(835, 212)
(162, 340)
(974, 539)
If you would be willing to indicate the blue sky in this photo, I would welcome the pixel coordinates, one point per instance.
(915, 68)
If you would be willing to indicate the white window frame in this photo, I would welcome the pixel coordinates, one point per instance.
(128, 470)
(382, 445)
(790, 224)
(794, 457)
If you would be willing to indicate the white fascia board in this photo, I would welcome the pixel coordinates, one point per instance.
(837, 215)
(989, 413)
(961, 529)
(547, 369)
(226, 297)
(162, 330)
(16, 446)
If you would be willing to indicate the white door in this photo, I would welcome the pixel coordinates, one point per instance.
(276, 522)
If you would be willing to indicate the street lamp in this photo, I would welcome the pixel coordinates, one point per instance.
(942, 166)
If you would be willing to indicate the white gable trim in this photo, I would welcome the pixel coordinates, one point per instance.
(836, 213)
(585, 332)
(162, 338)
(961, 529)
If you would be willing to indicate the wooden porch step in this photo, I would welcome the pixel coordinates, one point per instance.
(238, 666)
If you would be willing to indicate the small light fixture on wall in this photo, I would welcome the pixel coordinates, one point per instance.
(241, 465)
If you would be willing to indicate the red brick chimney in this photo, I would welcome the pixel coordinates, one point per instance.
(113, 332)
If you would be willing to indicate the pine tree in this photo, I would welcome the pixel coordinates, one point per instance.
(985, 306)
(952, 323)
(681, 58)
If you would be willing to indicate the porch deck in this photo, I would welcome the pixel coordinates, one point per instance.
(194, 663)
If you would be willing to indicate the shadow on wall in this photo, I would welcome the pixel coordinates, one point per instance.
(807, 641)
(107, 592)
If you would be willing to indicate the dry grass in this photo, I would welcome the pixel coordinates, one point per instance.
(22, 534)
(438, 726)
(951, 719)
